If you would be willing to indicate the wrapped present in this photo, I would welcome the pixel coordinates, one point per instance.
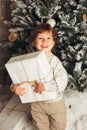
(32, 96)
(27, 68)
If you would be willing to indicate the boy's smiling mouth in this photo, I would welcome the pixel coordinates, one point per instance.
(44, 46)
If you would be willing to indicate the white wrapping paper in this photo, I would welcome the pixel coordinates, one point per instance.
(32, 96)
(30, 67)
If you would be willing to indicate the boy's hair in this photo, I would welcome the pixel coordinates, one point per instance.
(40, 29)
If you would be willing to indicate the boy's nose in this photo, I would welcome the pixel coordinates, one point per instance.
(44, 40)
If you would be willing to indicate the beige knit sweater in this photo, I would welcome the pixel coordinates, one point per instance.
(59, 80)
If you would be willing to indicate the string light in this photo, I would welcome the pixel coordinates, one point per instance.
(1, 18)
(84, 17)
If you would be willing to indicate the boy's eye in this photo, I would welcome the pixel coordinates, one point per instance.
(44, 38)
(49, 38)
(39, 37)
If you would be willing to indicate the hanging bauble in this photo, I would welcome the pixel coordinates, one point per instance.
(13, 5)
(52, 22)
(12, 37)
(84, 17)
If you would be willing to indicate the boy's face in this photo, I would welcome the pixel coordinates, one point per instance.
(44, 42)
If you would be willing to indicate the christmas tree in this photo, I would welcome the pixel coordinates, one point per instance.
(71, 29)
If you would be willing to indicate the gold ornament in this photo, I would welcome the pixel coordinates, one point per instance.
(12, 37)
(84, 17)
(52, 22)
(13, 5)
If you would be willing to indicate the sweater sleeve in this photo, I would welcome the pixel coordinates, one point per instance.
(60, 76)
(59, 80)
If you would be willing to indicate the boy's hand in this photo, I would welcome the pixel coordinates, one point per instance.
(18, 90)
(38, 86)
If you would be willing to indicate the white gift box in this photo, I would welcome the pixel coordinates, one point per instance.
(30, 67)
(32, 96)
